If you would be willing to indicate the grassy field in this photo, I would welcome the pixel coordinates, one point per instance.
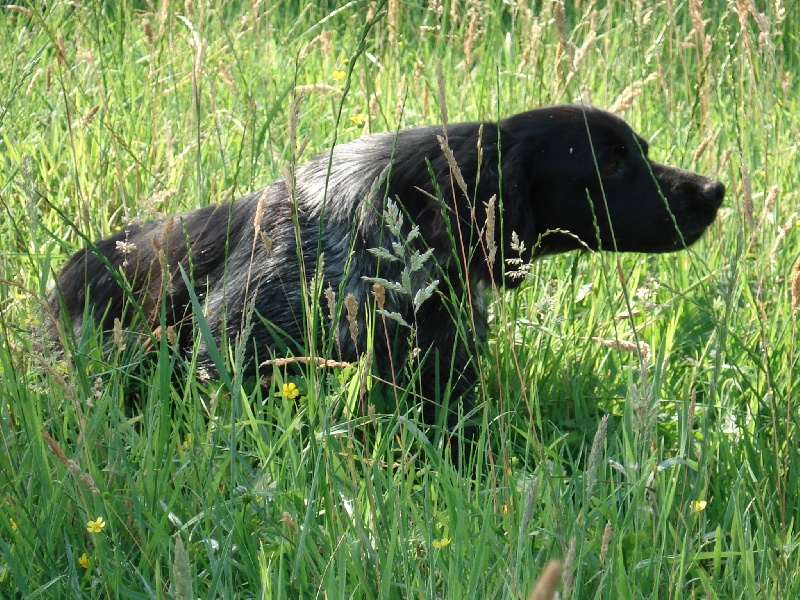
(667, 473)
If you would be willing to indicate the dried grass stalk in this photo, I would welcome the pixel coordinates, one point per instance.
(533, 44)
(796, 286)
(489, 232)
(70, 464)
(702, 147)
(742, 11)
(747, 197)
(393, 19)
(454, 168)
(625, 100)
(785, 228)
(569, 568)
(442, 96)
(547, 583)
(380, 295)
(306, 360)
(560, 20)
(642, 348)
(769, 203)
(351, 307)
(262, 201)
(471, 37)
(699, 26)
(605, 542)
(595, 455)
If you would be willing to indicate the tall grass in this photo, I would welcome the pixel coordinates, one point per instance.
(638, 413)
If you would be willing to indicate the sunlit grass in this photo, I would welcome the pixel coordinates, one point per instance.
(670, 473)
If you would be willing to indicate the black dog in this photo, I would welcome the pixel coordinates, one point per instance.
(390, 208)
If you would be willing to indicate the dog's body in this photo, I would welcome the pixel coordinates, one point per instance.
(543, 173)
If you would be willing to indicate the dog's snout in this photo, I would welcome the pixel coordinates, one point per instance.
(713, 192)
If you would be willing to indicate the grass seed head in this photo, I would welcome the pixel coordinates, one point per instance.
(604, 544)
(547, 583)
(569, 568)
(454, 168)
(560, 19)
(625, 100)
(148, 31)
(380, 295)
(595, 455)
(489, 231)
(747, 197)
(796, 286)
(470, 39)
(533, 43)
(785, 228)
(393, 19)
(119, 338)
(702, 147)
(442, 96)
(351, 307)
(699, 25)
(262, 201)
(330, 300)
(769, 203)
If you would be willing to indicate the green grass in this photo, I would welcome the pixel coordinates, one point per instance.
(116, 111)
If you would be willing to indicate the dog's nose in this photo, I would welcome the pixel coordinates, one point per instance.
(713, 192)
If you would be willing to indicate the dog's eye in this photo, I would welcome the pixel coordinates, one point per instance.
(610, 168)
(615, 161)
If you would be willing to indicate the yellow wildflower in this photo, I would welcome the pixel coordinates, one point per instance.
(290, 391)
(359, 118)
(96, 526)
(84, 561)
(338, 75)
(698, 505)
(13, 524)
(442, 543)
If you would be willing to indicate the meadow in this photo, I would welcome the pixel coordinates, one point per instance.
(638, 413)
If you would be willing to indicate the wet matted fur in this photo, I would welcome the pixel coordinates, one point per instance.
(559, 178)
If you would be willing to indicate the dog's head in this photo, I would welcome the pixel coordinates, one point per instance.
(590, 183)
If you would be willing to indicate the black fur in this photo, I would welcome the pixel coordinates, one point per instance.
(555, 170)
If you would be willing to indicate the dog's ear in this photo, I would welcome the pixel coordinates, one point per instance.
(515, 211)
